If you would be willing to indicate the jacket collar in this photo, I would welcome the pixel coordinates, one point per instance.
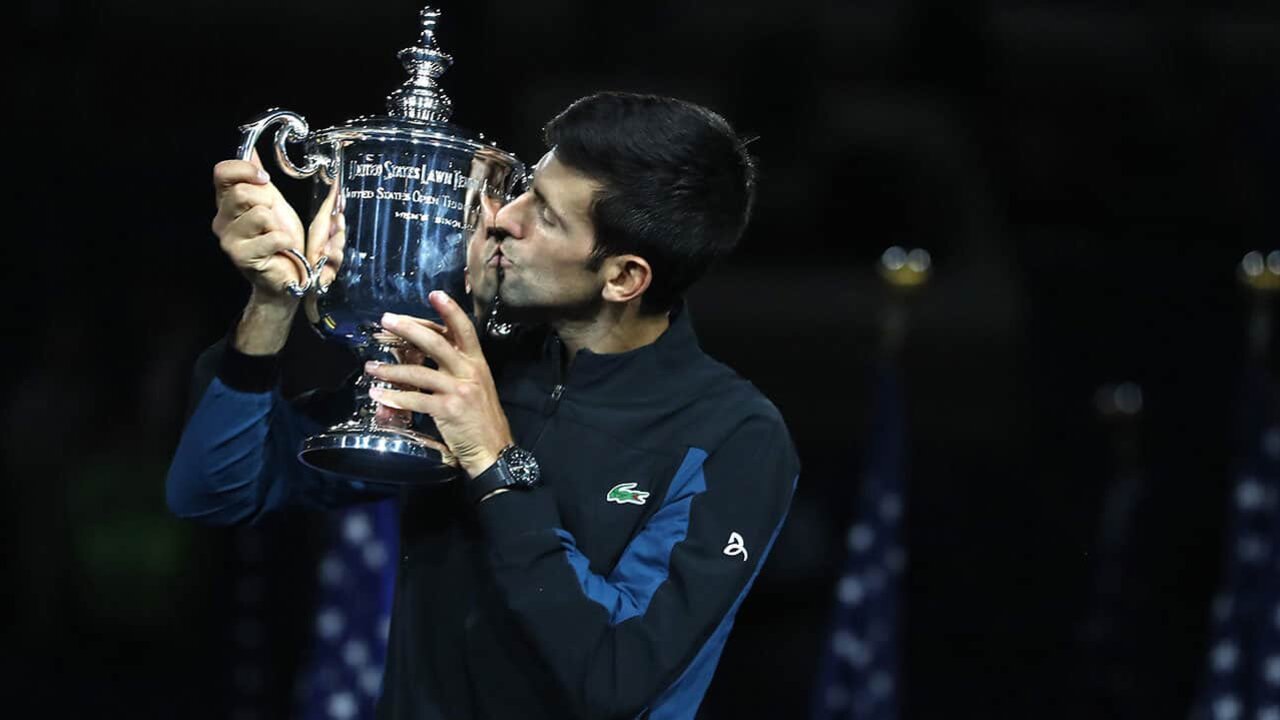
(634, 373)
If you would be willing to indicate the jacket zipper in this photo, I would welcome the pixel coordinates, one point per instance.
(557, 392)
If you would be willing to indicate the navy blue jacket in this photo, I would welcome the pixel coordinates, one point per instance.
(606, 593)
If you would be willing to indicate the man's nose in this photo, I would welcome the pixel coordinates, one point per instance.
(509, 223)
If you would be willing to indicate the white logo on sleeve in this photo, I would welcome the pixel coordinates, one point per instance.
(736, 547)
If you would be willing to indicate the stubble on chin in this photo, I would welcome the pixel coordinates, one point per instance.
(518, 307)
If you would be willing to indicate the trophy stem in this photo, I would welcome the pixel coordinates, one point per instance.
(380, 444)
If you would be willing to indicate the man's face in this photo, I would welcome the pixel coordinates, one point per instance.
(538, 256)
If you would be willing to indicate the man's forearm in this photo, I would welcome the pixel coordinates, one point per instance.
(264, 326)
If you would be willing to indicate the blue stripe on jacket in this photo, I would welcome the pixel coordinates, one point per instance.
(642, 569)
(645, 563)
(687, 691)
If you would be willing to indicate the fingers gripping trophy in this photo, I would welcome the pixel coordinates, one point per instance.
(403, 194)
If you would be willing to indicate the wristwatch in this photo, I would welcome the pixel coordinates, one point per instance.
(516, 469)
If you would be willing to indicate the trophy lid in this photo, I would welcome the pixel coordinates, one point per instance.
(420, 98)
(418, 111)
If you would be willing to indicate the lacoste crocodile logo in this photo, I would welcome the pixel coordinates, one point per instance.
(626, 494)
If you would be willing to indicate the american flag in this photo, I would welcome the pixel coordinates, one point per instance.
(858, 675)
(356, 576)
(1242, 677)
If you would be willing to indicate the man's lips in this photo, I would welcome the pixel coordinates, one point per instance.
(497, 259)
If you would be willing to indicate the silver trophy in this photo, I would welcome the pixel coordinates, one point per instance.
(414, 189)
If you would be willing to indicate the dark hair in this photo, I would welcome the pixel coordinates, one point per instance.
(677, 184)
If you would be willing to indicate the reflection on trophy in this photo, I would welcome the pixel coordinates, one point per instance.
(415, 189)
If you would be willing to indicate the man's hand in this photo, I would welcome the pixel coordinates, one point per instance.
(460, 396)
(255, 225)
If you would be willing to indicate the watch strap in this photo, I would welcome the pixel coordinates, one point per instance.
(496, 476)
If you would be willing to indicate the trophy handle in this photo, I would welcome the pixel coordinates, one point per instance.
(293, 128)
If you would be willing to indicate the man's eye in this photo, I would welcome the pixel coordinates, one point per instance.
(545, 216)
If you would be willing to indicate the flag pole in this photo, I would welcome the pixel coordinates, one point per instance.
(1242, 673)
(905, 273)
(858, 674)
(1260, 276)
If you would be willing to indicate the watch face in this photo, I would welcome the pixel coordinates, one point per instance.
(522, 465)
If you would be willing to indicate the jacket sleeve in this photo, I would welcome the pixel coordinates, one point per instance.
(619, 644)
(237, 458)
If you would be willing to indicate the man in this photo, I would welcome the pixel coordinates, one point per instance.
(621, 488)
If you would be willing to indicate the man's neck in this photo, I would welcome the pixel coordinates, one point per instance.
(614, 330)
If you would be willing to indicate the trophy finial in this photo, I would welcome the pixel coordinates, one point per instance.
(428, 16)
(420, 98)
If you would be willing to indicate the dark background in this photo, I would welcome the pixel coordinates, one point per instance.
(1085, 174)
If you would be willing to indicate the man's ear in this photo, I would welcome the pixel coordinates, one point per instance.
(626, 277)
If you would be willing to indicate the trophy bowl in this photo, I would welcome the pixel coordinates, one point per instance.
(414, 190)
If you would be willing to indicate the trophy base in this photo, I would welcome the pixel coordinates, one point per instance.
(377, 454)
